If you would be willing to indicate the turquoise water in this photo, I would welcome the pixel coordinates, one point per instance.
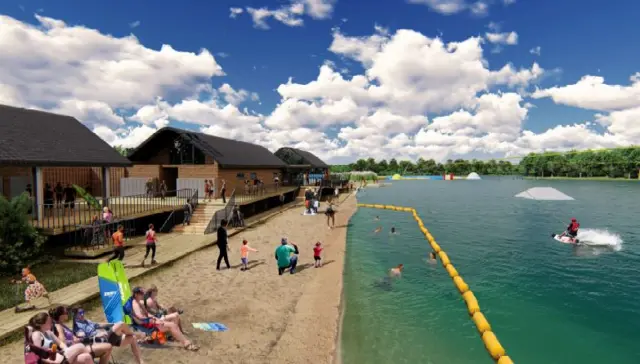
(547, 302)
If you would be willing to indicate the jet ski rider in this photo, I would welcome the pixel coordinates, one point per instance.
(572, 229)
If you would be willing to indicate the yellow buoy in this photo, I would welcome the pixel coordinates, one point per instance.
(451, 270)
(471, 301)
(436, 248)
(378, 206)
(481, 322)
(444, 258)
(492, 344)
(389, 207)
(505, 360)
(460, 284)
(408, 209)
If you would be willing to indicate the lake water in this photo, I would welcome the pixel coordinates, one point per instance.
(547, 302)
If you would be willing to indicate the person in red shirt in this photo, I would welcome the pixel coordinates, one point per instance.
(317, 250)
(118, 244)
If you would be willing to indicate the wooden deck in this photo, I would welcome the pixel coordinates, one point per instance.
(171, 247)
(249, 199)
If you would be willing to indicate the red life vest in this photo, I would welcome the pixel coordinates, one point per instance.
(575, 226)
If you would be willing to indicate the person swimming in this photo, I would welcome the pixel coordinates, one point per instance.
(393, 230)
(432, 256)
(377, 218)
(378, 229)
(396, 272)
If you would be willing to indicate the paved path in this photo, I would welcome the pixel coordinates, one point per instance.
(171, 247)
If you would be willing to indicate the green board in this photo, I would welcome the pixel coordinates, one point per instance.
(123, 282)
(91, 201)
(110, 294)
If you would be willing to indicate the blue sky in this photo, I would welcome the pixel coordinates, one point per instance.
(575, 38)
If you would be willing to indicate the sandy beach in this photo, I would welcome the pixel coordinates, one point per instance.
(271, 318)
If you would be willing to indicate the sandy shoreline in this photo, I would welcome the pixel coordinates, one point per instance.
(271, 319)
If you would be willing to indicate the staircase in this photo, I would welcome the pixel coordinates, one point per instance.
(200, 219)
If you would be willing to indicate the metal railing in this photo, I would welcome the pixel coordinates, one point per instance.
(224, 214)
(97, 235)
(79, 212)
(260, 191)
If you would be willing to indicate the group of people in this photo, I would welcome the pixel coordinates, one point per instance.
(50, 339)
(58, 196)
(286, 254)
(210, 190)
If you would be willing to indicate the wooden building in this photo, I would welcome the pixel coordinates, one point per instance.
(185, 159)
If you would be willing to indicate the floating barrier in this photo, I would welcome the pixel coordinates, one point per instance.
(491, 343)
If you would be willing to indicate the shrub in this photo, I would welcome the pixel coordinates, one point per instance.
(20, 242)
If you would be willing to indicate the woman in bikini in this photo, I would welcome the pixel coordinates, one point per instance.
(152, 306)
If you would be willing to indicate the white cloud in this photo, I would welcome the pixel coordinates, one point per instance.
(508, 2)
(134, 24)
(234, 12)
(290, 15)
(536, 50)
(506, 38)
(449, 7)
(417, 96)
(590, 92)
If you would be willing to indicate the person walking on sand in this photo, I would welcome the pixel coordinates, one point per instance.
(317, 257)
(151, 245)
(118, 244)
(223, 245)
(244, 254)
(331, 216)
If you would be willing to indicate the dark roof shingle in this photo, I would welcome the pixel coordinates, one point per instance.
(228, 153)
(38, 138)
(307, 157)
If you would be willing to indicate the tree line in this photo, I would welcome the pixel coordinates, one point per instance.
(613, 163)
(429, 167)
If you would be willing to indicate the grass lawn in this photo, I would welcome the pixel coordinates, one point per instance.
(53, 276)
(586, 178)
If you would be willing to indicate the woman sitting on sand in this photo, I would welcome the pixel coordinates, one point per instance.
(146, 320)
(34, 289)
(41, 326)
(152, 306)
(87, 331)
(100, 350)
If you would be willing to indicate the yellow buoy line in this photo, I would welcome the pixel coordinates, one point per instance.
(491, 343)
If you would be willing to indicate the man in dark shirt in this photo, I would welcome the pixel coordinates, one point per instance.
(69, 197)
(59, 193)
(223, 244)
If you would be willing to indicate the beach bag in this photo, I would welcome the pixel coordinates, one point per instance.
(128, 307)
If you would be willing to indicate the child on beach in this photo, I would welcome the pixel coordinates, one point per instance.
(244, 254)
(34, 289)
(317, 251)
(151, 245)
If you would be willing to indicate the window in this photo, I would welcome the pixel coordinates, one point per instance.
(240, 175)
(253, 175)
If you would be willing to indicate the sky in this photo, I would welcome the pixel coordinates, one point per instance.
(343, 79)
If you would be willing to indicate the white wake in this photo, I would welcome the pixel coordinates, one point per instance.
(599, 237)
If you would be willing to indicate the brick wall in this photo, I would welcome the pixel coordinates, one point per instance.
(209, 171)
(144, 170)
(233, 181)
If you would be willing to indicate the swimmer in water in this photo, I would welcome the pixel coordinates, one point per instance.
(393, 230)
(432, 257)
(377, 218)
(378, 229)
(396, 272)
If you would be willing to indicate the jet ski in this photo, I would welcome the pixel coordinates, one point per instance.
(565, 238)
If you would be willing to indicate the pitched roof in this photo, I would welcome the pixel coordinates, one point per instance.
(38, 138)
(227, 152)
(304, 157)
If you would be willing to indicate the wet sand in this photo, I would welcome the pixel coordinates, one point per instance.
(271, 318)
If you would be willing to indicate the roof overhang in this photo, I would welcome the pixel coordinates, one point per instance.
(60, 164)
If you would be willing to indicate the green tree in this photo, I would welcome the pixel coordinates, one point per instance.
(20, 242)
(122, 150)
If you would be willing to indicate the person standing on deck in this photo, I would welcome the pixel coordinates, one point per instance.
(188, 210)
(223, 245)
(118, 244)
(59, 191)
(223, 191)
(163, 190)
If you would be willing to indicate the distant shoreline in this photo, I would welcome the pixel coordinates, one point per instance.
(620, 179)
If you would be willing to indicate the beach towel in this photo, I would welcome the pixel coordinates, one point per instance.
(210, 326)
